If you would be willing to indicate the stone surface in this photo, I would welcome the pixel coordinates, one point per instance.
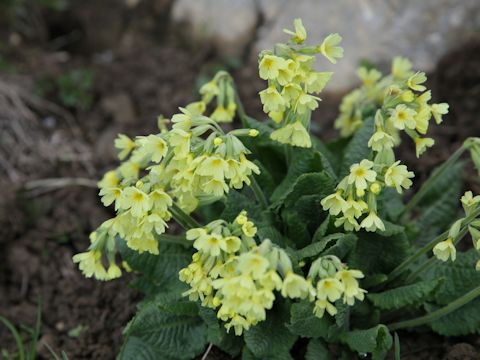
(375, 30)
(227, 24)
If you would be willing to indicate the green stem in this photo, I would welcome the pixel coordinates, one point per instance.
(185, 220)
(174, 239)
(262, 199)
(240, 109)
(431, 261)
(438, 313)
(428, 247)
(431, 180)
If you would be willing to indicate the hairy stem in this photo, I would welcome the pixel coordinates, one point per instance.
(422, 320)
(185, 220)
(257, 190)
(174, 239)
(428, 247)
(431, 261)
(240, 109)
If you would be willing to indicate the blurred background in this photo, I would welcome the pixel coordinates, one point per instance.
(75, 73)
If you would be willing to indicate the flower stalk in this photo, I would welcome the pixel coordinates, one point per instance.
(437, 314)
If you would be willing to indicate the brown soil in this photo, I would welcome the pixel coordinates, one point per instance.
(139, 74)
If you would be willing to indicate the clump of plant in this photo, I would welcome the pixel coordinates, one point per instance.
(73, 88)
(288, 242)
(26, 341)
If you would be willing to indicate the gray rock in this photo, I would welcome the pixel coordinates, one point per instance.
(227, 24)
(375, 30)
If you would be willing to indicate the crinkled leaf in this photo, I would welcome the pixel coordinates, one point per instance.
(159, 333)
(405, 295)
(159, 273)
(303, 161)
(317, 350)
(463, 321)
(460, 276)
(316, 248)
(376, 341)
(304, 323)
(295, 228)
(377, 254)
(236, 202)
(439, 208)
(270, 339)
(357, 149)
(343, 246)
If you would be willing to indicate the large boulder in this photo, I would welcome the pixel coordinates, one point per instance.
(228, 25)
(374, 30)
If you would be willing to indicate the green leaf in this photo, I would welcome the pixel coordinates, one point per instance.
(316, 248)
(439, 207)
(304, 323)
(319, 183)
(343, 246)
(236, 202)
(159, 333)
(405, 295)
(303, 161)
(159, 273)
(376, 341)
(217, 335)
(357, 149)
(390, 202)
(215, 331)
(460, 277)
(328, 159)
(270, 339)
(269, 232)
(247, 354)
(461, 322)
(295, 227)
(317, 350)
(388, 252)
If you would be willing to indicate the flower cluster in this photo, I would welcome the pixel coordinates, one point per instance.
(399, 102)
(403, 101)
(355, 199)
(334, 282)
(191, 163)
(293, 85)
(446, 250)
(221, 89)
(238, 278)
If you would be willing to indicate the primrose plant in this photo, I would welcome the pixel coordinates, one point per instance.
(287, 247)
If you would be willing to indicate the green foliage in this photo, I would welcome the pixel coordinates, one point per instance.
(27, 349)
(376, 341)
(304, 323)
(317, 350)
(440, 205)
(159, 273)
(73, 89)
(277, 268)
(357, 149)
(166, 332)
(460, 277)
(402, 296)
(271, 339)
(388, 248)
